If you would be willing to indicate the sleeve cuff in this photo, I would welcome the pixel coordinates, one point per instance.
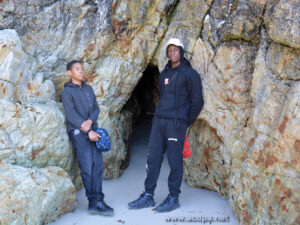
(89, 131)
(91, 119)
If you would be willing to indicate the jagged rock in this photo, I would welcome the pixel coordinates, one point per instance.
(114, 39)
(34, 196)
(272, 164)
(37, 90)
(250, 154)
(245, 142)
(283, 62)
(227, 109)
(34, 135)
(213, 21)
(206, 166)
(282, 20)
(12, 65)
(203, 56)
(186, 25)
(244, 21)
(32, 123)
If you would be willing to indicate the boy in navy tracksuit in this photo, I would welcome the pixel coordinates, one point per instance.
(82, 111)
(180, 103)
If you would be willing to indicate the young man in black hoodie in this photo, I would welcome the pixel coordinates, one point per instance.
(180, 103)
(82, 111)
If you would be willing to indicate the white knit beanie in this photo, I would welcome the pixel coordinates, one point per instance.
(174, 41)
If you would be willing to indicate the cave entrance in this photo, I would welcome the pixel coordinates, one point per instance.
(141, 103)
(144, 97)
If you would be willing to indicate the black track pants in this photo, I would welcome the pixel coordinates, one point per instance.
(164, 136)
(90, 163)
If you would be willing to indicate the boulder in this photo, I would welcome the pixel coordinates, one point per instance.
(32, 124)
(34, 196)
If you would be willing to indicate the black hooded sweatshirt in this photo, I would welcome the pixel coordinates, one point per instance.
(180, 92)
(80, 104)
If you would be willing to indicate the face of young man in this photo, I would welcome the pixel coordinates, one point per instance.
(77, 73)
(174, 55)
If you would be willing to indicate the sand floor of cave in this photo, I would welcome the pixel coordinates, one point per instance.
(198, 206)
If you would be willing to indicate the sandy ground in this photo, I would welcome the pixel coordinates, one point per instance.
(198, 206)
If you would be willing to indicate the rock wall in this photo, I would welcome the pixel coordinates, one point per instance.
(246, 140)
(34, 196)
(32, 123)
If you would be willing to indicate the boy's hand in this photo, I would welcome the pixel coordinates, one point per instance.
(93, 136)
(86, 125)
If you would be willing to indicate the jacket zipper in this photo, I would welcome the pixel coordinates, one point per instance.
(88, 95)
(83, 99)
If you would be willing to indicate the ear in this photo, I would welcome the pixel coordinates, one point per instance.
(69, 73)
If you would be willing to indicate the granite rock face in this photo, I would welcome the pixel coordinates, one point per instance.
(282, 20)
(32, 135)
(185, 24)
(246, 140)
(32, 123)
(34, 196)
(12, 65)
(112, 38)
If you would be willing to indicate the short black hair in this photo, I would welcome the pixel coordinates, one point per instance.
(70, 64)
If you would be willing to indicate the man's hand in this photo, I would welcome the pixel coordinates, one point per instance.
(93, 136)
(86, 125)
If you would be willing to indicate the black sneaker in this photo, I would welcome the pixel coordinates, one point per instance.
(100, 207)
(169, 204)
(144, 201)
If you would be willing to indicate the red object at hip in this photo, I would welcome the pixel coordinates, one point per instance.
(186, 148)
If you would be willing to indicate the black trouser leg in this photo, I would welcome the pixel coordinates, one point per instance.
(97, 172)
(175, 142)
(154, 156)
(90, 163)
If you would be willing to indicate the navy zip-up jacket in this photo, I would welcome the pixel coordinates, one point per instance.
(180, 92)
(80, 104)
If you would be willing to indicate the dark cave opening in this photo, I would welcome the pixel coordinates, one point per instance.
(145, 96)
(142, 104)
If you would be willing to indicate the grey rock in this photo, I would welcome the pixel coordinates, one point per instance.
(34, 196)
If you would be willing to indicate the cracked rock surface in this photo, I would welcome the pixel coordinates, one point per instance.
(246, 141)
